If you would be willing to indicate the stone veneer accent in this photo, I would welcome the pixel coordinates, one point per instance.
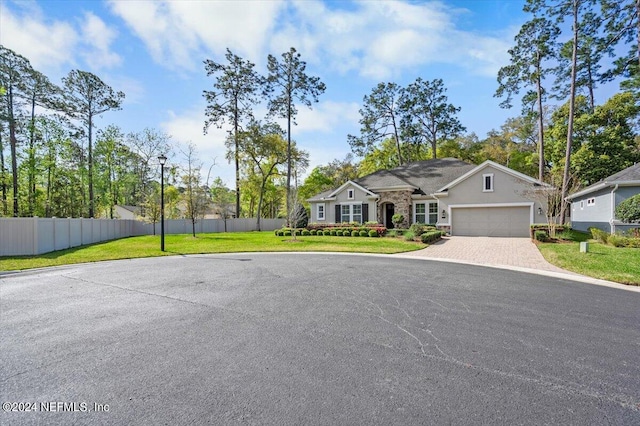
(402, 204)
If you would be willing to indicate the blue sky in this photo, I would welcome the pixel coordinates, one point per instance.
(154, 51)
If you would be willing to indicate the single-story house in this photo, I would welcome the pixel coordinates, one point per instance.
(464, 199)
(595, 205)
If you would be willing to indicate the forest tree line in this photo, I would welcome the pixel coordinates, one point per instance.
(54, 162)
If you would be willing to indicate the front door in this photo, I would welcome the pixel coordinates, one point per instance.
(388, 215)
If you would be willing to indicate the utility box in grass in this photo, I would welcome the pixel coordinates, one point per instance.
(584, 247)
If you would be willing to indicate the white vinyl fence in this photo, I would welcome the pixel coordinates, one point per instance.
(31, 236)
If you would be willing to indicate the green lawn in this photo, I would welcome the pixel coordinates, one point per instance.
(606, 262)
(149, 246)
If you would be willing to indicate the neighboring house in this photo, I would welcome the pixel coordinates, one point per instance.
(462, 198)
(595, 205)
(127, 212)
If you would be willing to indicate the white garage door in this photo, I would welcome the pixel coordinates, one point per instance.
(491, 221)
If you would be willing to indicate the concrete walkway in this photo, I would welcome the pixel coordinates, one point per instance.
(489, 251)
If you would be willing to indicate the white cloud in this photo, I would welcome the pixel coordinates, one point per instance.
(187, 127)
(325, 116)
(179, 33)
(45, 44)
(98, 37)
(380, 40)
(54, 46)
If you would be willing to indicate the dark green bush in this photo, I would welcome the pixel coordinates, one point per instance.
(373, 233)
(628, 211)
(363, 233)
(355, 233)
(339, 233)
(305, 233)
(287, 233)
(431, 236)
(333, 232)
(326, 232)
(313, 232)
(541, 236)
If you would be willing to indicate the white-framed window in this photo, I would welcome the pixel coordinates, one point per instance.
(591, 202)
(421, 213)
(487, 182)
(351, 213)
(356, 213)
(351, 194)
(426, 213)
(433, 213)
(345, 213)
(320, 211)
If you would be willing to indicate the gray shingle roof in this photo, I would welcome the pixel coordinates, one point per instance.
(630, 174)
(427, 175)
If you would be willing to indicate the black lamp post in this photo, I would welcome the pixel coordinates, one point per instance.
(162, 159)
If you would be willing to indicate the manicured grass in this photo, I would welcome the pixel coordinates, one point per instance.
(149, 246)
(606, 262)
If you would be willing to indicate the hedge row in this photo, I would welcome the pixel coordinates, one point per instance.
(432, 236)
(381, 229)
(336, 232)
(617, 240)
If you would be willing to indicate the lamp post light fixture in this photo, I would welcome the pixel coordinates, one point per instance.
(162, 159)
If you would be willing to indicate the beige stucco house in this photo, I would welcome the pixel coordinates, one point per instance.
(464, 199)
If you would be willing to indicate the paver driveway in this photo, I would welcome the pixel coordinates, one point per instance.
(491, 251)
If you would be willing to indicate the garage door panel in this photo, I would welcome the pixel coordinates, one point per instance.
(491, 221)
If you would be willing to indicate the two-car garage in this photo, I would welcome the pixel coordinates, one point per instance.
(493, 221)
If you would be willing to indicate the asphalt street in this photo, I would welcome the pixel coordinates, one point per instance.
(321, 339)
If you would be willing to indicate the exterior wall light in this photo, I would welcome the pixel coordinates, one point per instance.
(444, 214)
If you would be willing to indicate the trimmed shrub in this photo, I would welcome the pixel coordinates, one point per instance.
(313, 232)
(287, 233)
(599, 235)
(332, 232)
(355, 233)
(431, 236)
(305, 233)
(541, 236)
(373, 233)
(418, 228)
(409, 236)
(566, 235)
(339, 233)
(326, 232)
(363, 233)
(618, 240)
(397, 219)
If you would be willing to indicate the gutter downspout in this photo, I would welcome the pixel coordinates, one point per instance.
(613, 208)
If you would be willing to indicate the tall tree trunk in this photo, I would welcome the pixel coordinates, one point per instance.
(395, 135)
(3, 178)
(288, 154)
(31, 192)
(541, 163)
(14, 155)
(572, 98)
(237, 156)
(90, 160)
